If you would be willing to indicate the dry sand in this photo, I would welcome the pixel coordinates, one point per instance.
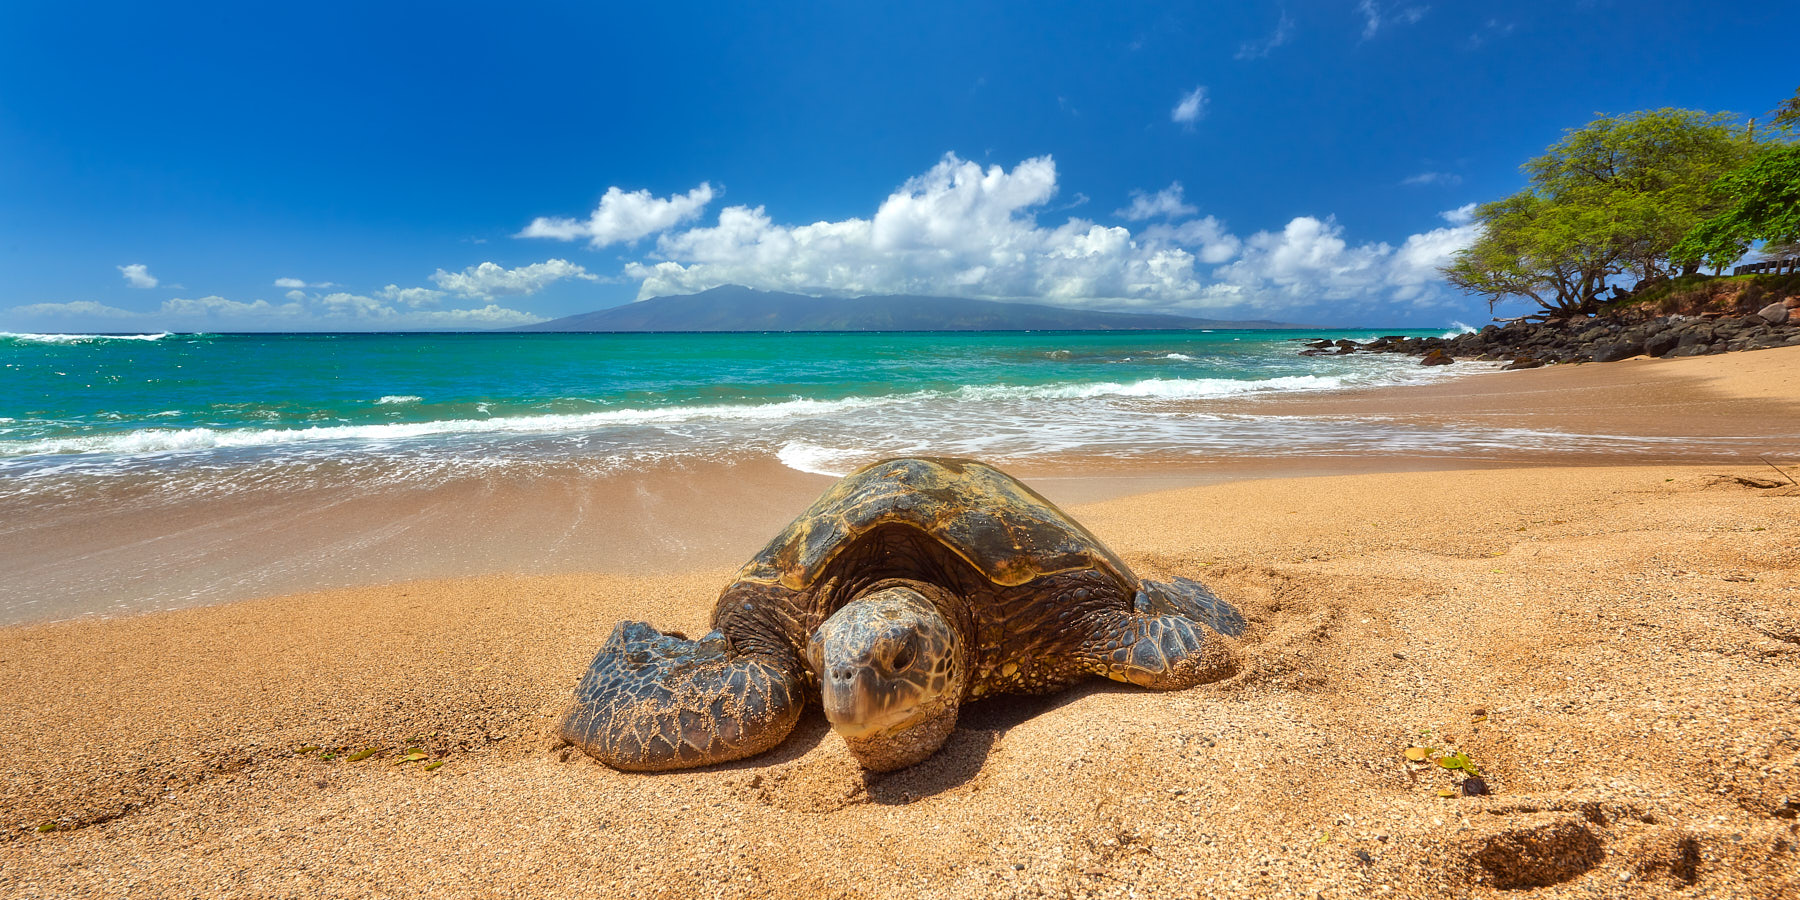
(1616, 648)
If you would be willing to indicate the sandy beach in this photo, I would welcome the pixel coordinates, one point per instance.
(1612, 641)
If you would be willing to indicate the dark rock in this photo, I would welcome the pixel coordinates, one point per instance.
(1523, 362)
(1475, 786)
(1774, 313)
(1319, 345)
(1690, 338)
(1436, 358)
(1343, 344)
(1661, 343)
(1616, 351)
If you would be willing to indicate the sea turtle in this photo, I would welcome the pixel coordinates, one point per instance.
(911, 586)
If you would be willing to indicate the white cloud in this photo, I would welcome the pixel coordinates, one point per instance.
(218, 307)
(1213, 244)
(72, 309)
(289, 283)
(1164, 204)
(1423, 178)
(1191, 108)
(1309, 259)
(341, 310)
(488, 280)
(1262, 47)
(295, 295)
(1416, 263)
(1461, 215)
(624, 217)
(964, 230)
(415, 297)
(138, 275)
(1375, 18)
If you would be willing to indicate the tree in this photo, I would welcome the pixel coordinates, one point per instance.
(1535, 248)
(1787, 114)
(1609, 199)
(1762, 203)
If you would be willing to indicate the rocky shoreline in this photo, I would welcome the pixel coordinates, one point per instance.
(1528, 345)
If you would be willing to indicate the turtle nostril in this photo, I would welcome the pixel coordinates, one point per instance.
(841, 674)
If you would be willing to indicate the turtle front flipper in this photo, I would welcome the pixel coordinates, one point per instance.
(1190, 599)
(1179, 634)
(652, 701)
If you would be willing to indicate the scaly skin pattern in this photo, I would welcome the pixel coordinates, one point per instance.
(1040, 604)
(652, 701)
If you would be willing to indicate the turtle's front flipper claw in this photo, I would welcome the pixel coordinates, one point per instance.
(652, 701)
(1161, 652)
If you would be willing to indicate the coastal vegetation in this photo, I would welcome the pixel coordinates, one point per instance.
(1640, 199)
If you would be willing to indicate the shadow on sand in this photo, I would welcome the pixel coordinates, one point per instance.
(979, 728)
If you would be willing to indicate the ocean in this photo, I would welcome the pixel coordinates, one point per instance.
(211, 409)
(146, 472)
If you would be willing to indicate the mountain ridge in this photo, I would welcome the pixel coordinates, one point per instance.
(731, 308)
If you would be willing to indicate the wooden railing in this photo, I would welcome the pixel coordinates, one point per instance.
(1776, 266)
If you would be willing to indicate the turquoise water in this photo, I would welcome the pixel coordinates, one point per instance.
(92, 405)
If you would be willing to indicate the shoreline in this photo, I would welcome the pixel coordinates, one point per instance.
(129, 548)
(1611, 642)
(1612, 645)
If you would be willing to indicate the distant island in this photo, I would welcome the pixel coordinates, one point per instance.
(733, 308)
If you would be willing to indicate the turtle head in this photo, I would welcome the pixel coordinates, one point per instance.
(891, 672)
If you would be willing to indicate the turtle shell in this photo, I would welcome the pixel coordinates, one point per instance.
(1002, 528)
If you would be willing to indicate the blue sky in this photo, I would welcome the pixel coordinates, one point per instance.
(355, 166)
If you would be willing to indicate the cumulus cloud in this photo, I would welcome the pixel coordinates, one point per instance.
(72, 309)
(299, 283)
(339, 310)
(1310, 259)
(624, 217)
(961, 229)
(1461, 215)
(1191, 108)
(1262, 47)
(1164, 204)
(138, 275)
(215, 306)
(489, 280)
(415, 297)
(1212, 243)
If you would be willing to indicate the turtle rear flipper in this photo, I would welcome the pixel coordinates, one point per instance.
(1191, 599)
(652, 701)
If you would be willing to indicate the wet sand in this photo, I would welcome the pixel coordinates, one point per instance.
(128, 545)
(1613, 646)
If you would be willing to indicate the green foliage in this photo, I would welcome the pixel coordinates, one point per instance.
(1787, 115)
(1761, 203)
(1611, 198)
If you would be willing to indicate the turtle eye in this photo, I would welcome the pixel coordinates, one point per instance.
(903, 658)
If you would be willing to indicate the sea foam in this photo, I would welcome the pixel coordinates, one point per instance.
(30, 338)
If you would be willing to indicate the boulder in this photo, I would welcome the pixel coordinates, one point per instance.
(1616, 351)
(1661, 343)
(1523, 362)
(1774, 313)
(1436, 358)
